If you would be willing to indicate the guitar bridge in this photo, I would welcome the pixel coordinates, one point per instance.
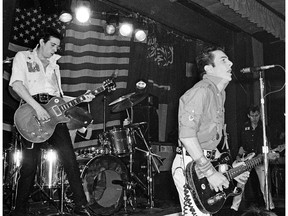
(218, 197)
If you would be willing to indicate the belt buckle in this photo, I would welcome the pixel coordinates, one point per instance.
(210, 154)
(43, 98)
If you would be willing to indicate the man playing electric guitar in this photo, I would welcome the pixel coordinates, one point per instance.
(201, 122)
(252, 141)
(36, 79)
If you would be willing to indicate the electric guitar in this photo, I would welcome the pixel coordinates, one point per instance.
(36, 130)
(206, 198)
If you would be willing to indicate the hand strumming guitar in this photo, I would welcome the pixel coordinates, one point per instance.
(218, 181)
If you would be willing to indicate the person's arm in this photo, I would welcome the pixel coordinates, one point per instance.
(216, 179)
(21, 90)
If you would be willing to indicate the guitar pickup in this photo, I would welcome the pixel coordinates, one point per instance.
(56, 110)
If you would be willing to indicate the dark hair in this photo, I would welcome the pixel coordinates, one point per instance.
(50, 32)
(206, 57)
(253, 109)
(253, 211)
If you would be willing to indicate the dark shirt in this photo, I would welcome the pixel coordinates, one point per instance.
(252, 140)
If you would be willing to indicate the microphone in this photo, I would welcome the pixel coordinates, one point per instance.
(254, 69)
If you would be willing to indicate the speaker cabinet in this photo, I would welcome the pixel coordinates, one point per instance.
(147, 114)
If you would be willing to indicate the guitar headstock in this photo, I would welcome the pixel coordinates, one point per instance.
(110, 85)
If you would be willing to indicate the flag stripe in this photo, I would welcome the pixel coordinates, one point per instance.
(90, 73)
(94, 60)
(91, 66)
(101, 49)
(84, 86)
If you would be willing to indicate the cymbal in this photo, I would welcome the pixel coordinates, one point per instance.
(135, 125)
(130, 101)
(121, 98)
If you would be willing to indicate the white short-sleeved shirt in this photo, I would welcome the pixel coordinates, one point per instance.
(28, 68)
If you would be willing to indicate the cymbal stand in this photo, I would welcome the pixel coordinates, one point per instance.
(150, 163)
(104, 113)
(61, 212)
(16, 148)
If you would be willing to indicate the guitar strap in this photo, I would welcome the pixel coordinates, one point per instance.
(58, 85)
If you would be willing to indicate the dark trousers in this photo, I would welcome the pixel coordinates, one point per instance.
(61, 142)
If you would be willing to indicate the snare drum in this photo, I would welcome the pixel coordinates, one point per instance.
(121, 140)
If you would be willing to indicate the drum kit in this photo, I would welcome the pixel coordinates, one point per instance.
(110, 176)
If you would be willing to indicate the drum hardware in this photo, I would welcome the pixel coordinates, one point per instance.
(48, 176)
(124, 103)
(151, 157)
(127, 101)
(61, 212)
(10, 177)
(12, 164)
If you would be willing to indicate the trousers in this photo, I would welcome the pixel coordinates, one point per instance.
(178, 174)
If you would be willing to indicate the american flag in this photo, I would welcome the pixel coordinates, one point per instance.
(27, 25)
(90, 58)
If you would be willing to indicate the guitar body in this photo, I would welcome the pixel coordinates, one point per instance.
(206, 198)
(35, 130)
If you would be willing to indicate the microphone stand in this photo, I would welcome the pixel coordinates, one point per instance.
(104, 113)
(264, 147)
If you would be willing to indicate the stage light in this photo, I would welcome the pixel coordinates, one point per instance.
(140, 35)
(112, 22)
(65, 16)
(83, 11)
(64, 6)
(126, 29)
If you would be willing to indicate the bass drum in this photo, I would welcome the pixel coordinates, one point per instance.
(103, 179)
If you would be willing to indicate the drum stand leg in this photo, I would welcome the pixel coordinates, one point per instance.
(150, 162)
(61, 212)
(49, 198)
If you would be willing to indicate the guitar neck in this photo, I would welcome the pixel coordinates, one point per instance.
(232, 173)
(80, 99)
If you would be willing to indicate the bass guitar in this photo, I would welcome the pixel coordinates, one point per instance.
(36, 130)
(206, 198)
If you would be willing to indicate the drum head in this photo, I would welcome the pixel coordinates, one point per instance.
(103, 179)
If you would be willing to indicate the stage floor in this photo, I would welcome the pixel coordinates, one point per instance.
(161, 208)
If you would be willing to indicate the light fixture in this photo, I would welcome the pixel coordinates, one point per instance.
(65, 16)
(126, 28)
(112, 22)
(83, 11)
(64, 7)
(140, 35)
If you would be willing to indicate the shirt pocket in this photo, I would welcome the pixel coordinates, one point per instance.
(33, 67)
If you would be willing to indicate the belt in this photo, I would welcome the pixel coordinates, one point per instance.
(43, 97)
(210, 154)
